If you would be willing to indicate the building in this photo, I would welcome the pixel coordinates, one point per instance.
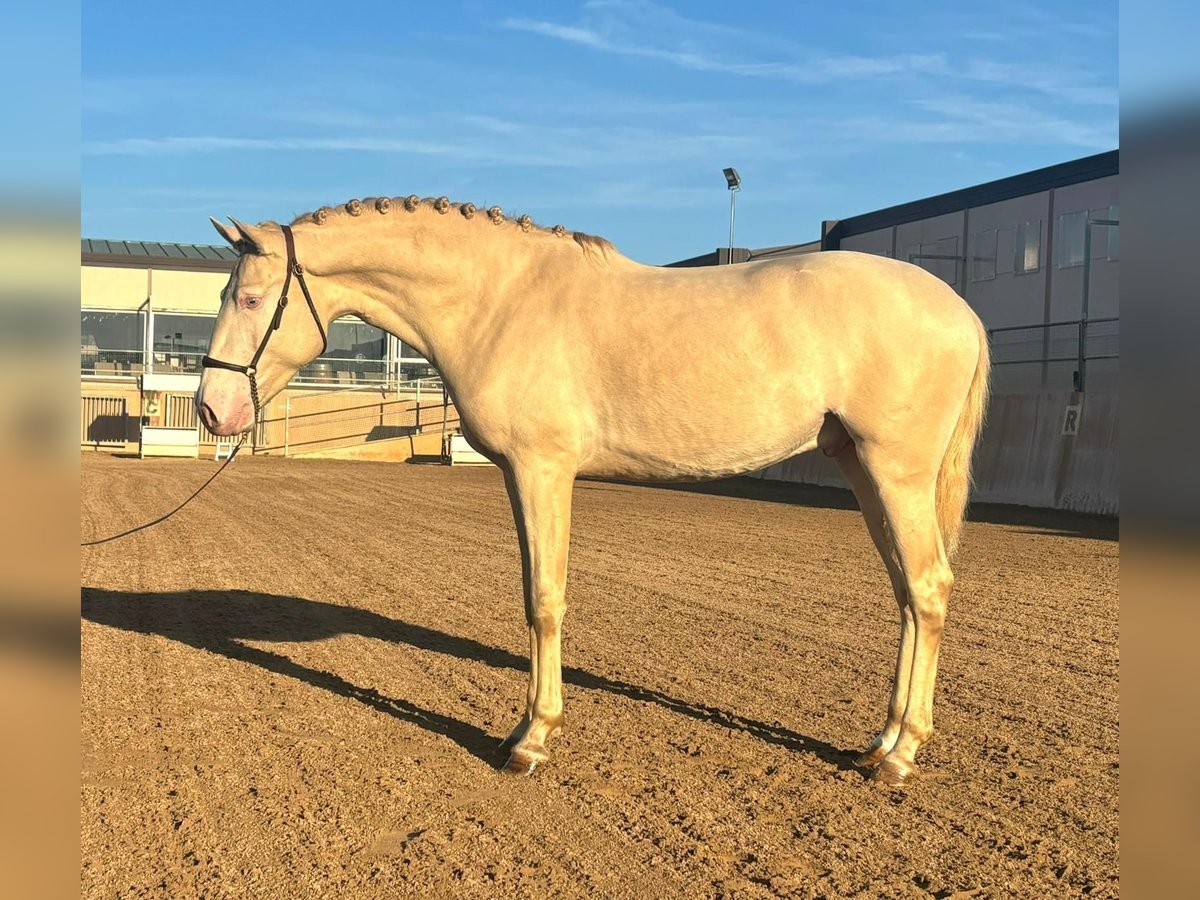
(147, 314)
(1036, 256)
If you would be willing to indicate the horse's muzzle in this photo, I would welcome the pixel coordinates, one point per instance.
(224, 408)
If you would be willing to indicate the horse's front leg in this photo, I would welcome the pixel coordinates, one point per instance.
(540, 492)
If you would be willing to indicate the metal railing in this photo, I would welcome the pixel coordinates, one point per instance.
(1055, 354)
(100, 363)
(337, 419)
(326, 371)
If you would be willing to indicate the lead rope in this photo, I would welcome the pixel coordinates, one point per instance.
(117, 537)
(250, 371)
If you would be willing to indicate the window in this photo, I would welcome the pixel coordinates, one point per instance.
(1068, 244)
(1006, 250)
(1106, 239)
(983, 255)
(357, 352)
(938, 257)
(941, 258)
(409, 352)
(110, 343)
(180, 341)
(1027, 251)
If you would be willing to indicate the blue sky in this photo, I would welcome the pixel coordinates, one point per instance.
(611, 117)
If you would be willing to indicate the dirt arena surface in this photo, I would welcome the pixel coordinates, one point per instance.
(294, 688)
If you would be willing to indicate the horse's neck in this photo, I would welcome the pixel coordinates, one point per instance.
(435, 285)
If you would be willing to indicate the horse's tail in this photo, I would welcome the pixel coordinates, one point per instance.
(954, 477)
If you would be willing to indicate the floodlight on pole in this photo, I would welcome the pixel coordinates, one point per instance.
(734, 182)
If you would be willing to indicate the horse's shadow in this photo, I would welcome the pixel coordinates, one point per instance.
(220, 621)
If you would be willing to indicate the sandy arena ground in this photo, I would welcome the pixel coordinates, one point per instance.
(293, 689)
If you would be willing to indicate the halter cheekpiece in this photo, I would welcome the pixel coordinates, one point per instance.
(250, 370)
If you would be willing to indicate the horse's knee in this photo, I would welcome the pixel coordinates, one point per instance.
(547, 619)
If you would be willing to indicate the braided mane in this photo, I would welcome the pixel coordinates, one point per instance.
(381, 206)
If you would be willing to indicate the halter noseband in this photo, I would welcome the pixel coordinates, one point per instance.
(293, 267)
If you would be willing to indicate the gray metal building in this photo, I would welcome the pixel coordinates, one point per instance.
(1037, 256)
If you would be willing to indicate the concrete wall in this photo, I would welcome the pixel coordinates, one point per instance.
(1023, 457)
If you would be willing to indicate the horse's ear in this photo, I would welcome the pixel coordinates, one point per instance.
(226, 232)
(251, 238)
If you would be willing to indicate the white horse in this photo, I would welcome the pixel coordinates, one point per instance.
(565, 358)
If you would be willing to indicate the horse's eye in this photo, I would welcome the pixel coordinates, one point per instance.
(251, 302)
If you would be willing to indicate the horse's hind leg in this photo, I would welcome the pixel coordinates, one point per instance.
(868, 501)
(906, 490)
(540, 492)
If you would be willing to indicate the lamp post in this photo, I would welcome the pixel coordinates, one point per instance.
(734, 181)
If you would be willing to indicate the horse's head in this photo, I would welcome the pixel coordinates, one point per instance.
(259, 343)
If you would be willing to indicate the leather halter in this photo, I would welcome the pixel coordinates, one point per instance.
(249, 370)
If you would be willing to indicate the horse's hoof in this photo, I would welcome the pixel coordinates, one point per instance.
(506, 745)
(872, 758)
(514, 737)
(522, 762)
(892, 774)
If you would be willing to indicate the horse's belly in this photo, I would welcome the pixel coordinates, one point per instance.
(672, 449)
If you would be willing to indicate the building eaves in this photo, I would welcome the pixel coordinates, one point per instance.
(1076, 171)
(156, 255)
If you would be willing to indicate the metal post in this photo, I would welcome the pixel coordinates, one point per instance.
(1087, 283)
(1087, 291)
(732, 215)
(418, 404)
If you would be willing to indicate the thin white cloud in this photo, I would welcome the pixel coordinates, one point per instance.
(966, 120)
(541, 147)
(1053, 81)
(817, 70)
(218, 144)
(620, 28)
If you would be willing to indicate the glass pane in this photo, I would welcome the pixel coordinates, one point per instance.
(1028, 250)
(180, 341)
(407, 352)
(355, 339)
(357, 353)
(110, 343)
(1069, 241)
(941, 258)
(983, 255)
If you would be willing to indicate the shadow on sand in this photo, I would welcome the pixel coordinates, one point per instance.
(219, 621)
(1025, 519)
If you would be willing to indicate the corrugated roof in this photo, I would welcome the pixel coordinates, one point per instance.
(100, 252)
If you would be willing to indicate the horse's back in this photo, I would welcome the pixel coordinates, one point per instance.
(702, 373)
